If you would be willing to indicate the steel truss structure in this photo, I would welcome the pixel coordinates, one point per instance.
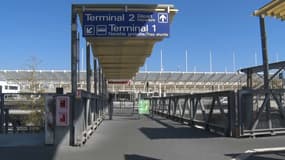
(228, 113)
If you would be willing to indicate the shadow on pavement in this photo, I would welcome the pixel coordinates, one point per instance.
(172, 132)
(138, 157)
(29, 153)
(175, 133)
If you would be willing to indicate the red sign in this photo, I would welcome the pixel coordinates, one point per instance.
(62, 111)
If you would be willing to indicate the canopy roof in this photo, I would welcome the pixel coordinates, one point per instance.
(121, 57)
(275, 8)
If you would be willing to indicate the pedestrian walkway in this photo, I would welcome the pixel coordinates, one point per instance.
(128, 137)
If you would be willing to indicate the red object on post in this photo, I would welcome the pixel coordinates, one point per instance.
(62, 111)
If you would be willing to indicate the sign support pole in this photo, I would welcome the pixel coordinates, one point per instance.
(264, 52)
(265, 67)
(95, 76)
(74, 58)
(88, 67)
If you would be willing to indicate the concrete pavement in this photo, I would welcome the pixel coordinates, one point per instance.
(129, 138)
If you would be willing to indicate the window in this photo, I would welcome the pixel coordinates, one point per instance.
(13, 87)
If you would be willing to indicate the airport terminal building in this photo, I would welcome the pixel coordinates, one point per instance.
(156, 83)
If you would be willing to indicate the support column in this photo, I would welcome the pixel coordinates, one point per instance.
(100, 91)
(78, 58)
(95, 87)
(99, 81)
(74, 54)
(88, 68)
(1, 110)
(102, 82)
(265, 68)
(95, 76)
(264, 52)
(249, 79)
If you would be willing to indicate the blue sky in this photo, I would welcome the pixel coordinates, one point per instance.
(41, 29)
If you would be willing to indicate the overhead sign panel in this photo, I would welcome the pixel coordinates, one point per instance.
(125, 24)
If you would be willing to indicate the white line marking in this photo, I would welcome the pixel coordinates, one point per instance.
(248, 153)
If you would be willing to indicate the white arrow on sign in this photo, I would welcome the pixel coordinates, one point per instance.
(162, 18)
(89, 30)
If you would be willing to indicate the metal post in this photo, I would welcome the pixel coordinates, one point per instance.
(249, 80)
(78, 57)
(105, 94)
(265, 67)
(74, 54)
(95, 76)
(99, 80)
(88, 68)
(6, 119)
(264, 52)
(1, 110)
(99, 90)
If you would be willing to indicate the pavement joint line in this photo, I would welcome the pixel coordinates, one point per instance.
(248, 153)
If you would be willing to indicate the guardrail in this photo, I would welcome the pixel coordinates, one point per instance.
(236, 114)
(16, 110)
(211, 111)
(261, 112)
(25, 129)
(89, 113)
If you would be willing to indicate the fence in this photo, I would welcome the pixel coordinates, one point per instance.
(124, 108)
(261, 112)
(22, 112)
(26, 113)
(242, 113)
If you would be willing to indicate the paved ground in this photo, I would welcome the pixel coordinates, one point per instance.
(129, 138)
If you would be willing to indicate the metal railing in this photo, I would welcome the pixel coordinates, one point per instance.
(211, 111)
(236, 114)
(261, 112)
(88, 114)
(22, 112)
(17, 108)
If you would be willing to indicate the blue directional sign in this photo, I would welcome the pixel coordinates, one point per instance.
(125, 24)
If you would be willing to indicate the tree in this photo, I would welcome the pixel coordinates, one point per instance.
(35, 101)
(33, 64)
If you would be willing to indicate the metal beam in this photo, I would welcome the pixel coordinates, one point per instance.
(259, 68)
(74, 57)
(1, 110)
(88, 68)
(95, 76)
(264, 52)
